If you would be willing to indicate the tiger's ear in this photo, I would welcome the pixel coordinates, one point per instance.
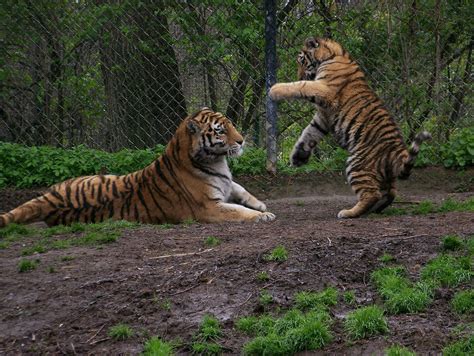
(311, 43)
(193, 126)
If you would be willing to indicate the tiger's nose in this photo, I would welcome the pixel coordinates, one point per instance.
(240, 142)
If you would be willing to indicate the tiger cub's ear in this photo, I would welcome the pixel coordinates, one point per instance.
(311, 43)
(193, 126)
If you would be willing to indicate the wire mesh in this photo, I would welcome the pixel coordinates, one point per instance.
(112, 74)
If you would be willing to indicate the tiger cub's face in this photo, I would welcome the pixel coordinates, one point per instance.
(315, 51)
(214, 135)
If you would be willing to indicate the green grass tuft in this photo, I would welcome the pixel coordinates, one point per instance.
(27, 265)
(396, 350)
(206, 348)
(212, 241)
(278, 254)
(463, 302)
(312, 300)
(424, 207)
(12, 232)
(386, 258)
(448, 271)
(121, 332)
(263, 276)
(32, 250)
(209, 328)
(265, 298)
(255, 326)
(461, 347)
(365, 322)
(398, 293)
(451, 243)
(349, 297)
(157, 347)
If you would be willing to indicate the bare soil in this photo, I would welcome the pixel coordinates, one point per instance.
(163, 281)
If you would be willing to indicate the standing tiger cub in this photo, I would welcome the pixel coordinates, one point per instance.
(350, 110)
(191, 180)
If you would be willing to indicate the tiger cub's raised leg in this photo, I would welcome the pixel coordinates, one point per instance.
(310, 137)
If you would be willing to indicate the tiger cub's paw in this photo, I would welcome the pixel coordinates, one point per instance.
(266, 216)
(277, 92)
(346, 214)
(299, 156)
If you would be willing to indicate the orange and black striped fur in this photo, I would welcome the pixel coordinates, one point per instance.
(191, 180)
(352, 112)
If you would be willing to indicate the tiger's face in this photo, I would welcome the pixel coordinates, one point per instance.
(316, 51)
(213, 135)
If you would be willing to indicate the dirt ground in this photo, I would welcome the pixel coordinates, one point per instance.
(163, 281)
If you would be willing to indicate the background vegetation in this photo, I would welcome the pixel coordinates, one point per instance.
(119, 76)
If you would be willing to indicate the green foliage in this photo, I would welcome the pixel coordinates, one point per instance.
(210, 328)
(448, 271)
(265, 298)
(397, 350)
(386, 258)
(460, 348)
(459, 150)
(212, 241)
(424, 207)
(27, 265)
(24, 167)
(287, 335)
(120, 332)
(157, 347)
(311, 300)
(365, 322)
(398, 293)
(278, 254)
(206, 348)
(451, 243)
(428, 207)
(463, 302)
(13, 231)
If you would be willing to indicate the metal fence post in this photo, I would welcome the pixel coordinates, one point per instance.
(270, 79)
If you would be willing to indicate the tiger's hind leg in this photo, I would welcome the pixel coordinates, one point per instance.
(307, 142)
(368, 191)
(386, 200)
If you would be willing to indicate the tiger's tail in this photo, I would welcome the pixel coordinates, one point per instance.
(413, 152)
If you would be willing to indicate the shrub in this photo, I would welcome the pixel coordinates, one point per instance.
(459, 150)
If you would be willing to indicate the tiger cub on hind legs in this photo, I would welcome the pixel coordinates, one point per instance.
(356, 117)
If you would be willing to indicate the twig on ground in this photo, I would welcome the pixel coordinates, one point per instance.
(181, 254)
(101, 340)
(93, 336)
(330, 242)
(185, 290)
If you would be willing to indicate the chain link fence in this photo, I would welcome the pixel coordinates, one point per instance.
(112, 74)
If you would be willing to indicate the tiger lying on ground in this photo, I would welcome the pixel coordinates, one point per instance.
(350, 110)
(191, 180)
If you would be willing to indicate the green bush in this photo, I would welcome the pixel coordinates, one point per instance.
(459, 150)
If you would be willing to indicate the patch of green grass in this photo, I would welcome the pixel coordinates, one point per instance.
(51, 269)
(398, 293)
(4, 245)
(463, 302)
(349, 297)
(365, 322)
(12, 232)
(287, 335)
(470, 245)
(461, 347)
(206, 348)
(205, 341)
(189, 222)
(32, 250)
(263, 276)
(121, 332)
(157, 347)
(212, 241)
(448, 271)
(278, 254)
(312, 300)
(428, 207)
(451, 243)
(27, 265)
(166, 226)
(166, 304)
(265, 298)
(397, 350)
(67, 258)
(386, 258)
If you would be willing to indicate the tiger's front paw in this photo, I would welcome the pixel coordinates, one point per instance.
(259, 206)
(346, 214)
(299, 156)
(278, 92)
(266, 216)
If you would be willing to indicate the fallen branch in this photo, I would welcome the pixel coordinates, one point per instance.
(93, 336)
(184, 291)
(181, 254)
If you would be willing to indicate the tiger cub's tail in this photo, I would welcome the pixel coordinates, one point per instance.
(413, 152)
